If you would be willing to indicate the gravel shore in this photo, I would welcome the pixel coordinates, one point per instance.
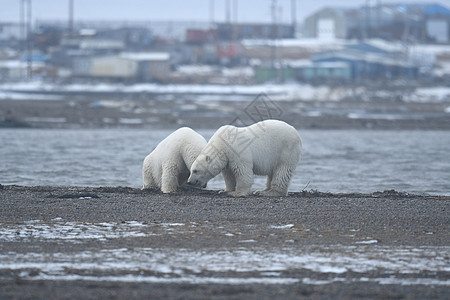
(145, 113)
(395, 230)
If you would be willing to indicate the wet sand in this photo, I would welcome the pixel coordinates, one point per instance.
(204, 223)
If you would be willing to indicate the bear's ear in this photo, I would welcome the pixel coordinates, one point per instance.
(208, 158)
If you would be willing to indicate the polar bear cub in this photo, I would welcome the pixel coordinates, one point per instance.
(269, 147)
(167, 167)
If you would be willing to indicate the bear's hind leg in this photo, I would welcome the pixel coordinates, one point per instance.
(268, 182)
(280, 182)
(268, 185)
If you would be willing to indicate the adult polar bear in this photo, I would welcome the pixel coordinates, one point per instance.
(269, 147)
(167, 167)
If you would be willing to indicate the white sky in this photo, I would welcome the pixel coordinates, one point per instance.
(173, 10)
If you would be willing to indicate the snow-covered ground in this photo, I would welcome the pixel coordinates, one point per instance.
(39, 90)
(403, 265)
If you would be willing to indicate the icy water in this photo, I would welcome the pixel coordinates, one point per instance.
(332, 161)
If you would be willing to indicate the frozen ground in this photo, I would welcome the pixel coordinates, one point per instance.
(285, 92)
(210, 106)
(106, 111)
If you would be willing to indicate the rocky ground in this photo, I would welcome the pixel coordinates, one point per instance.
(61, 242)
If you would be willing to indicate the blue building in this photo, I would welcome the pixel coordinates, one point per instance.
(366, 61)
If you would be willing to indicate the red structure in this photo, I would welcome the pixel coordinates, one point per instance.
(200, 36)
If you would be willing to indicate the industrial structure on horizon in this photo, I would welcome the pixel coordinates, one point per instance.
(333, 44)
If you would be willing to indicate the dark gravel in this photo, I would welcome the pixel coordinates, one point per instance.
(321, 219)
(391, 217)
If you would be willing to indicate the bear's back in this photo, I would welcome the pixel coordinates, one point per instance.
(181, 136)
(272, 137)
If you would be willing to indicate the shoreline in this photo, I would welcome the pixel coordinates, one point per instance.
(187, 190)
(100, 242)
(159, 114)
(377, 211)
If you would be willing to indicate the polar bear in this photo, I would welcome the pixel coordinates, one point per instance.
(269, 147)
(167, 167)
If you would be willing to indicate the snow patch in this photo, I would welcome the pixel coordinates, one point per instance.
(186, 265)
(368, 242)
(288, 226)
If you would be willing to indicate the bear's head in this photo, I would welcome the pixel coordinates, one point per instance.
(205, 167)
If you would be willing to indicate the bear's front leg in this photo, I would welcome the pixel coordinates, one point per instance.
(169, 179)
(147, 176)
(244, 181)
(270, 193)
(242, 193)
(149, 182)
(230, 180)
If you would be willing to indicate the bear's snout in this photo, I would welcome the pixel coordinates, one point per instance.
(196, 183)
(192, 182)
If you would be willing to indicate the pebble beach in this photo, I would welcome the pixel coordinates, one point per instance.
(115, 242)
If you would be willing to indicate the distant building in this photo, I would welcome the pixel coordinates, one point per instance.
(229, 53)
(16, 70)
(240, 31)
(201, 36)
(331, 23)
(10, 33)
(437, 23)
(73, 49)
(135, 38)
(338, 71)
(268, 73)
(147, 66)
(112, 67)
(12, 70)
(374, 60)
(410, 22)
(36, 56)
(101, 45)
(366, 61)
(151, 66)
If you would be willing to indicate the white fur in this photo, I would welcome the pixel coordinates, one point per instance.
(270, 147)
(167, 167)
